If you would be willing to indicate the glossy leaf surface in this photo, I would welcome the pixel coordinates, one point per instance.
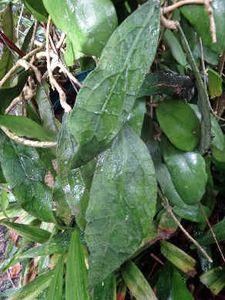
(87, 23)
(108, 94)
(188, 172)
(120, 216)
(179, 123)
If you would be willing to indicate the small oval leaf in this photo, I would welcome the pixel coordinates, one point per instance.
(179, 123)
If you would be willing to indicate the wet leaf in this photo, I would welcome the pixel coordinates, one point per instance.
(87, 37)
(109, 92)
(179, 123)
(25, 174)
(120, 216)
(136, 282)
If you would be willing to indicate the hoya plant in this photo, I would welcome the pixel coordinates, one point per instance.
(112, 149)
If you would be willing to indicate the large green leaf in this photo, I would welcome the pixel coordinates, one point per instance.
(34, 288)
(7, 25)
(87, 23)
(76, 272)
(188, 173)
(106, 289)
(55, 291)
(23, 126)
(76, 186)
(136, 282)
(179, 123)
(108, 94)
(25, 173)
(120, 215)
(37, 9)
(29, 232)
(198, 17)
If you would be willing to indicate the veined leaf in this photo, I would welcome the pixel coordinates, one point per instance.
(34, 288)
(136, 282)
(179, 123)
(25, 174)
(76, 272)
(7, 25)
(120, 215)
(106, 289)
(87, 23)
(23, 126)
(29, 232)
(109, 92)
(55, 291)
(179, 258)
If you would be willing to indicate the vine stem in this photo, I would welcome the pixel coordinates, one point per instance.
(18, 64)
(53, 81)
(167, 206)
(172, 24)
(26, 142)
